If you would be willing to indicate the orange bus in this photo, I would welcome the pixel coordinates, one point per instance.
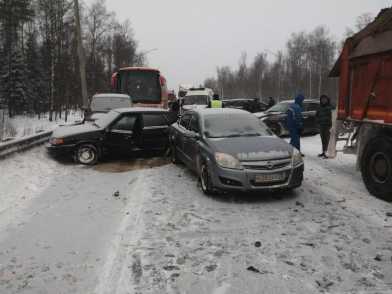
(146, 86)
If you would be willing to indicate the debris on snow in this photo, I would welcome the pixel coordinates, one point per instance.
(116, 194)
(298, 203)
(211, 268)
(257, 244)
(378, 257)
(325, 283)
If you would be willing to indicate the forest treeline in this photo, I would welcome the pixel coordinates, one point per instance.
(302, 66)
(39, 65)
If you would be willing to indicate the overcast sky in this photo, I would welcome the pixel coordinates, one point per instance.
(194, 37)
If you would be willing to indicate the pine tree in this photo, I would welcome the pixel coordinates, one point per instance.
(34, 74)
(13, 15)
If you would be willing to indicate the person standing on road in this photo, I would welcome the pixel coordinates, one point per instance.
(215, 102)
(271, 102)
(294, 121)
(324, 120)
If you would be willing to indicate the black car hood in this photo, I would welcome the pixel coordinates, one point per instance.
(68, 131)
(252, 148)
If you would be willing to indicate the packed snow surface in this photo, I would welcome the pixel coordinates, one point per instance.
(144, 226)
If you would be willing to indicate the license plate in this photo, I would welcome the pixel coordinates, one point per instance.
(270, 178)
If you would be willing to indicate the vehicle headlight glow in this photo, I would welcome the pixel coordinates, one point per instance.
(227, 161)
(297, 157)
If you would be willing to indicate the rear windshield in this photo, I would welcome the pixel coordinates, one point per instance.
(196, 100)
(105, 104)
(142, 86)
(234, 125)
(281, 107)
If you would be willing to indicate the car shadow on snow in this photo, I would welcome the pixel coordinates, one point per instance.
(253, 197)
(122, 163)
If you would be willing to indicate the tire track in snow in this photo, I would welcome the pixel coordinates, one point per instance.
(115, 273)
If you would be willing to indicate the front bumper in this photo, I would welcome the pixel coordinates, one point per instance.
(244, 180)
(59, 150)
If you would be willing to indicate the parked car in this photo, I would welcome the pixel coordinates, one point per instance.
(251, 105)
(119, 131)
(275, 117)
(102, 103)
(231, 150)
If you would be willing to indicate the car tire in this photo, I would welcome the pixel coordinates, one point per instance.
(205, 180)
(376, 168)
(173, 155)
(86, 154)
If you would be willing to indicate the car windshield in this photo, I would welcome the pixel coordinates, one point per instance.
(281, 107)
(105, 120)
(196, 100)
(233, 125)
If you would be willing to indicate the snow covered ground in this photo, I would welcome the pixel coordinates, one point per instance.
(22, 125)
(64, 229)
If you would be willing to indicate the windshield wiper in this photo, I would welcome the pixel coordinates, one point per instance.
(95, 124)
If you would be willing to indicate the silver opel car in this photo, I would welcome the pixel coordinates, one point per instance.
(231, 150)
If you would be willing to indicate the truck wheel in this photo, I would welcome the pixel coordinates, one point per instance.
(205, 180)
(376, 168)
(87, 154)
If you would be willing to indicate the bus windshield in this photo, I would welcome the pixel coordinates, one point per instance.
(142, 86)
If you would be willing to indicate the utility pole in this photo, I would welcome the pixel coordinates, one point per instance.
(82, 60)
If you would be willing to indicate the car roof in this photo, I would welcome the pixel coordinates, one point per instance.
(198, 93)
(305, 101)
(140, 109)
(209, 111)
(111, 95)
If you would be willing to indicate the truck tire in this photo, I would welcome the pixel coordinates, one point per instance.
(376, 167)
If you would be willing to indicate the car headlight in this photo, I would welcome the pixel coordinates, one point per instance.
(227, 161)
(56, 141)
(297, 157)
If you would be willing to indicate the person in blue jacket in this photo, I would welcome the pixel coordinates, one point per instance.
(295, 121)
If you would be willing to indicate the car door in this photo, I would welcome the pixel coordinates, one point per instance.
(309, 114)
(122, 134)
(191, 139)
(179, 138)
(155, 131)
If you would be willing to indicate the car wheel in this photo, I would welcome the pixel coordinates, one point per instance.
(376, 168)
(205, 180)
(173, 155)
(87, 154)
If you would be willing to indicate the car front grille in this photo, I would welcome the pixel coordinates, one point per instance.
(267, 165)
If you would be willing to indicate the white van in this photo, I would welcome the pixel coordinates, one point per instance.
(103, 103)
(197, 98)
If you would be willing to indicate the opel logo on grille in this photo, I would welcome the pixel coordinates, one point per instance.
(270, 165)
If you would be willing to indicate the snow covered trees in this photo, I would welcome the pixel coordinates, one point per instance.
(39, 64)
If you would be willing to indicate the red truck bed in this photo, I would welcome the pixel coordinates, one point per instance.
(365, 72)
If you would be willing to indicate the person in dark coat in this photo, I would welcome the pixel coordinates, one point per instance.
(324, 120)
(295, 121)
(271, 102)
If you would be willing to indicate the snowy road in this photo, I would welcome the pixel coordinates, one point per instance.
(63, 230)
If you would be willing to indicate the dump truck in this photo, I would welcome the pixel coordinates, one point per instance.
(364, 110)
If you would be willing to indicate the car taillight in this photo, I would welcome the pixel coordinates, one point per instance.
(56, 141)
